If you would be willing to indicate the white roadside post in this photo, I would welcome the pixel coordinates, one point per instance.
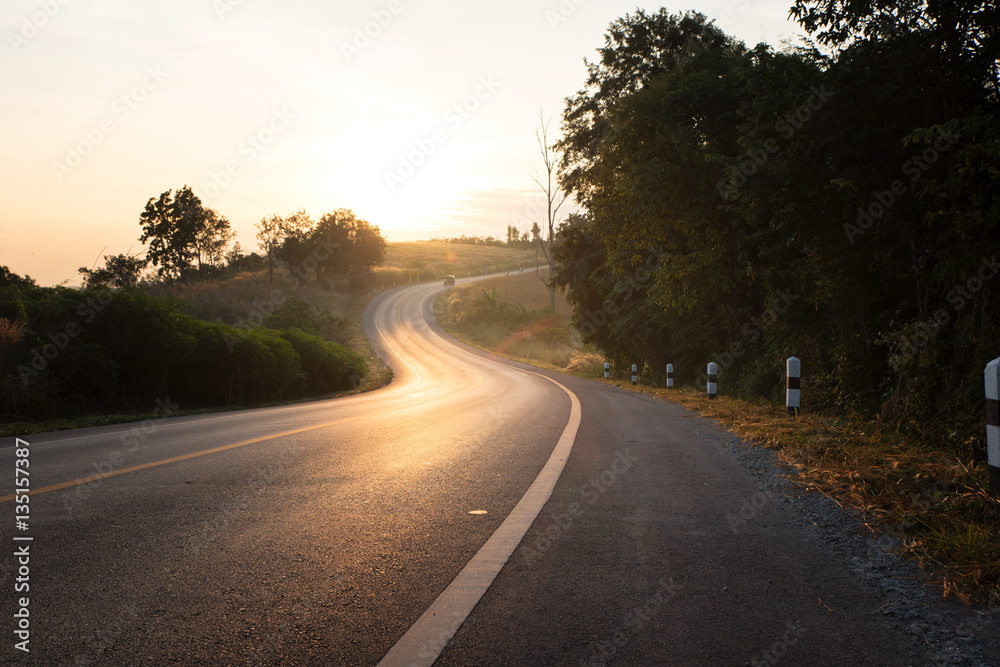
(607, 370)
(713, 379)
(992, 375)
(793, 375)
(670, 376)
(635, 375)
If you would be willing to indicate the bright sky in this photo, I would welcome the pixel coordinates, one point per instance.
(424, 126)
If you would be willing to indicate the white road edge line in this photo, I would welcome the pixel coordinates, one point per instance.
(425, 640)
(386, 340)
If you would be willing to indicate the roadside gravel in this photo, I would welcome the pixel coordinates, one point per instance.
(952, 634)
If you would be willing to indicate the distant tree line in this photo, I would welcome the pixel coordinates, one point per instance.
(186, 241)
(742, 205)
(514, 238)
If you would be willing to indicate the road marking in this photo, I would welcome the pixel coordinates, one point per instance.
(204, 452)
(386, 340)
(425, 640)
(184, 457)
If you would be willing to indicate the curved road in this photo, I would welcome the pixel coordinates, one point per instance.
(358, 530)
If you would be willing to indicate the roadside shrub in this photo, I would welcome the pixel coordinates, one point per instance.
(297, 314)
(326, 366)
(74, 352)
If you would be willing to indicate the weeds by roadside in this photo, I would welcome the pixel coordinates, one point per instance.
(938, 504)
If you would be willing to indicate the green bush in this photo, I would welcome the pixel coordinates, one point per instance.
(297, 314)
(326, 366)
(66, 352)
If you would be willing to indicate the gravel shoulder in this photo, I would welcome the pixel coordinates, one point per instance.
(951, 633)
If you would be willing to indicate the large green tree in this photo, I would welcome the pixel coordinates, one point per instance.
(179, 229)
(749, 204)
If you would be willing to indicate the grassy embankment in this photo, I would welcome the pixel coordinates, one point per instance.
(903, 483)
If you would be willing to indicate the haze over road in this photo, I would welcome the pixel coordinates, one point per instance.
(319, 533)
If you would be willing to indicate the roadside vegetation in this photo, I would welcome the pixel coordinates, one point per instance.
(511, 315)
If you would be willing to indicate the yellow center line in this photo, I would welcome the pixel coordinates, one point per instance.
(204, 452)
(214, 450)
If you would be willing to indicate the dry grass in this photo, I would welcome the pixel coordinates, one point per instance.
(434, 261)
(523, 289)
(522, 325)
(236, 300)
(586, 364)
(938, 505)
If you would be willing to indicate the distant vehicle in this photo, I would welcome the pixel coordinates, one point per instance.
(449, 281)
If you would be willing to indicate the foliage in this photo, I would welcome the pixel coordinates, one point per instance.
(340, 243)
(9, 278)
(272, 233)
(179, 229)
(470, 240)
(294, 313)
(118, 271)
(744, 205)
(511, 316)
(103, 351)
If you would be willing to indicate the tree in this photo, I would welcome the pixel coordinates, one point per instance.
(513, 235)
(270, 240)
(554, 198)
(213, 239)
(8, 278)
(174, 225)
(120, 271)
(353, 244)
(536, 232)
(274, 233)
(234, 256)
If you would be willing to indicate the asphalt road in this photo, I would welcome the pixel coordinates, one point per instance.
(320, 533)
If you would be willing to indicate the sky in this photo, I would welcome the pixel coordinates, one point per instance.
(417, 115)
